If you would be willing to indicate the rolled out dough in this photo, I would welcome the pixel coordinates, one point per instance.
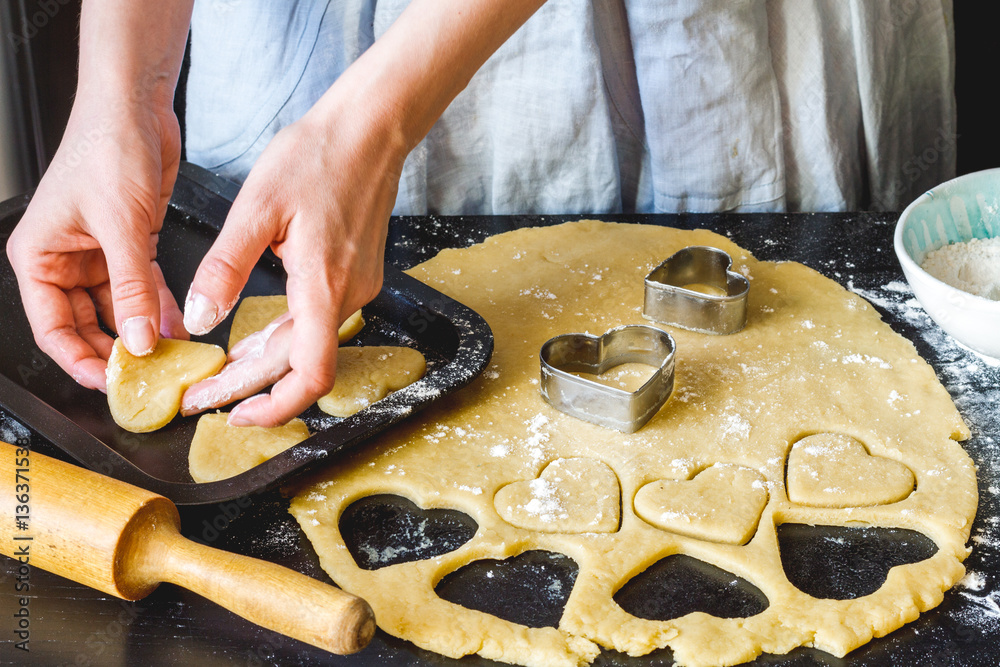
(813, 359)
(144, 393)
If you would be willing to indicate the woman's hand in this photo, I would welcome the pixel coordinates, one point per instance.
(86, 245)
(320, 196)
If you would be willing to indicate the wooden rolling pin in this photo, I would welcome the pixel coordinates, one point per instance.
(124, 541)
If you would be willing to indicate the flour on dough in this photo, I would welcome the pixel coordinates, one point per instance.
(570, 496)
(256, 312)
(144, 393)
(813, 358)
(369, 374)
(219, 451)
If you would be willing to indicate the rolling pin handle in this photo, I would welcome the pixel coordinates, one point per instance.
(265, 593)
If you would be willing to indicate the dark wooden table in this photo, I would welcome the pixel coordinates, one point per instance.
(73, 625)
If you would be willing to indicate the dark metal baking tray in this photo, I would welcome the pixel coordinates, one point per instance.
(456, 342)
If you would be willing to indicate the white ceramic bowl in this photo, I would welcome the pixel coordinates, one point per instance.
(961, 209)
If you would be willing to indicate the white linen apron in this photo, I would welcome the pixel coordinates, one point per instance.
(618, 105)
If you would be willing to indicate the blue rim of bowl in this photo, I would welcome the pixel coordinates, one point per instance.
(907, 261)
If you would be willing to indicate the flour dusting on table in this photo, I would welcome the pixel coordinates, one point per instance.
(973, 380)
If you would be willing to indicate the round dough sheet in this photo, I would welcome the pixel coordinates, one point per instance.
(814, 369)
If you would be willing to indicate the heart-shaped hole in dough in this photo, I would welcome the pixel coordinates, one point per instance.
(572, 495)
(844, 563)
(679, 585)
(722, 503)
(530, 589)
(385, 529)
(835, 470)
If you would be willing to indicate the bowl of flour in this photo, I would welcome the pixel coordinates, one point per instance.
(948, 243)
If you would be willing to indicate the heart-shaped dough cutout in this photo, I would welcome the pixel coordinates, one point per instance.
(369, 374)
(722, 503)
(220, 451)
(144, 393)
(576, 495)
(835, 470)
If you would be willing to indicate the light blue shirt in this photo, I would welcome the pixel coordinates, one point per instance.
(618, 105)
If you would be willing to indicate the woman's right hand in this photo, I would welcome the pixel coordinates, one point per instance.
(86, 245)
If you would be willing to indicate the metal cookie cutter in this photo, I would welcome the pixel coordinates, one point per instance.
(694, 289)
(602, 404)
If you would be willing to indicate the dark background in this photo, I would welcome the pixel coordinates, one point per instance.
(976, 54)
(50, 61)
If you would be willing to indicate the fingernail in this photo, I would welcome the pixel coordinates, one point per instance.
(200, 314)
(236, 420)
(138, 335)
(236, 417)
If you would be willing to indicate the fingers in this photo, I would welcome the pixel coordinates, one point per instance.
(318, 291)
(255, 341)
(224, 270)
(312, 359)
(53, 314)
(289, 397)
(171, 320)
(134, 291)
(101, 297)
(314, 305)
(261, 364)
(87, 326)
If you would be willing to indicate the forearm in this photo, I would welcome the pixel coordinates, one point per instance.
(321, 193)
(411, 74)
(131, 51)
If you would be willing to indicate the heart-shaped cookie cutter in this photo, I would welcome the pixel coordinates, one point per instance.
(673, 296)
(601, 404)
